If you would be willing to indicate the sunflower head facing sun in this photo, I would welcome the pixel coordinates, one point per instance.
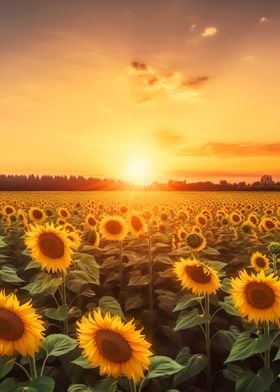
(21, 329)
(196, 276)
(116, 347)
(259, 261)
(257, 297)
(50, 247)
(113, 228)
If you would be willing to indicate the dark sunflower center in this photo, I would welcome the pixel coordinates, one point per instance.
(259, 295)
(194, 240)
(9, 210)
(136, 223)
(269, 224)
(37, 214)
(236, 218)
(260, 262)
(198, 273)
(91, 221)
(51, 245)
(113, 227)
(253, 220)
(201, 220)
(113, 346)
(11, 326)
(63, 213)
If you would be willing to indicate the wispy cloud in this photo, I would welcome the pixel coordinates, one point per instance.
(148, 83)
(231, 150)
(209, 31)
(168, 139)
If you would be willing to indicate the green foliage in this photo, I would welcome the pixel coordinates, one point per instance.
(6, 365)
(162, 366)
(58, 344)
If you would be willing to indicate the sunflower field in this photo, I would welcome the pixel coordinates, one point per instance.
(139, 291)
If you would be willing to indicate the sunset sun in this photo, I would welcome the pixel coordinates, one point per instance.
(138, 171)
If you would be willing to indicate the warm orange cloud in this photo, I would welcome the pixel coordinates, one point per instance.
(167, 139)
(149, 83)
(232, 150)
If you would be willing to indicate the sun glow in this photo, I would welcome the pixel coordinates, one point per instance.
(138, 171)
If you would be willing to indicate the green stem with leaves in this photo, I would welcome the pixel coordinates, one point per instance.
(267, 351)
(274, 260)
(121, 266)
(64, 303)
(150, 271)
(33, 369)
(208, 342)
(132, 386)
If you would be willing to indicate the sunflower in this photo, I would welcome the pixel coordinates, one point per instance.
(201, 220)
(21, 329)
(268, 224)
(36, 215)
(117, 347)
(63, 213)
(49, 246)
(113, 228)
(257, 297)
(136, 225)
(75, 240)
(198, 277)
(259, 261)
(196, 241)
(91, 220)
(8, 210)
(235, 218)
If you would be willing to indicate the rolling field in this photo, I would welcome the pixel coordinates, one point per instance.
(139, 291)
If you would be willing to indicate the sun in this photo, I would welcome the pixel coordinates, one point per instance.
(138, 171)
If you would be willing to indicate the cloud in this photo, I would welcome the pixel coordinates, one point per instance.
(148, 83)
(168, 139)
(263, 19)
(232, 150)
(209, 31)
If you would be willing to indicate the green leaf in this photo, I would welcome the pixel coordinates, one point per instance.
(226, 338)
(137, 279)
(228, 306)
(248, 381)
(75, 280)
(8, 385)
(58, 344)
(163, 366)
(6, 365)
(226, 285)
(82, 362)
(59, 314)
(111, 305)
(88, 265)
(134, 301)
(32, 265)
(246, 347)
(189, 320)
(217, 265)
(8, 274)
(277, 356)
(79, 388)
(194, 365)
(210, 251)
(108, 384)
(43, 282)
(41, 384)
(232, 372)
(186, 301)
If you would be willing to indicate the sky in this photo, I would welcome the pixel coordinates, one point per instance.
(141, 90)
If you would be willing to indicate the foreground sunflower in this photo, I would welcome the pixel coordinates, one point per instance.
(259, 261)
(117, 347)
(113, 228)
(50, 247)
(257, 297)
(199, 278)
(21, 329)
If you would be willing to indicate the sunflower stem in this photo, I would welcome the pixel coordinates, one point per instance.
(33, 369)
(24, 370)
(64, 303)
(274, 259)
(267, 351)
(121, 266)
(132, 386)
(150, 269)
(208, 341)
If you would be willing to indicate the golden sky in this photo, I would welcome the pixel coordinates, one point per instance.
(190, 87)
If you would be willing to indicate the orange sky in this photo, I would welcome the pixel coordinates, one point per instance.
(190, 87)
